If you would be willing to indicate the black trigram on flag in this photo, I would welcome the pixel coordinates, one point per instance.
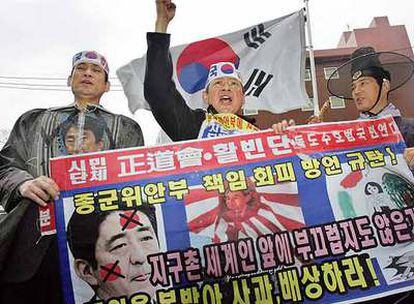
(256, 83)
(256, 36)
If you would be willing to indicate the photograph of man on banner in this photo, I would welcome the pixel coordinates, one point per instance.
(110, 251)
(90, 140)
(249, 213)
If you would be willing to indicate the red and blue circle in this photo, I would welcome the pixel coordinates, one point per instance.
(195, 60)
(227, 69)
(91, 55)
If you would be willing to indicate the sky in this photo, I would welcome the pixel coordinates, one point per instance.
(39, 38)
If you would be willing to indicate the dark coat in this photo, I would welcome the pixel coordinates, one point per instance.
(35, 138)
(169, 108)
(406, 126)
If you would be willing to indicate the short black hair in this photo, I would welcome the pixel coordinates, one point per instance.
(83, 231)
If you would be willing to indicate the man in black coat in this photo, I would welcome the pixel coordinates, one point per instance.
(29, 268)
(223, 91)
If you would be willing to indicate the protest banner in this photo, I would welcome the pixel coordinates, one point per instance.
(322, 213)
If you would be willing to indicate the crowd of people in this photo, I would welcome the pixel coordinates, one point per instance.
(29, 268)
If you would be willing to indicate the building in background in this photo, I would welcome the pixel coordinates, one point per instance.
(380, 35)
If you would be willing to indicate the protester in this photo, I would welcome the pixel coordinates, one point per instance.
(30, 271)
(98, 241)
(223, 91)
(368, 78)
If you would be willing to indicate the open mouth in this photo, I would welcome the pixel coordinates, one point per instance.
(140, 278)
(86, 82)
(226, 99)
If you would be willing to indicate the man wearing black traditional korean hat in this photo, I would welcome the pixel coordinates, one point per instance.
(368, 78)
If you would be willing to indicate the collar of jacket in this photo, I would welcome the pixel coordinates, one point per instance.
(90, 108)
(389, 109)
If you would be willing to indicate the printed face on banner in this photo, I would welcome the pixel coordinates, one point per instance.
(237, 201)
(225, 94)
(372, 188)
(88, 143)
(238, 214)
(125, 238)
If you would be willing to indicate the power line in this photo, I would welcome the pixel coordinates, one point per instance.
(34, 78)
(43, 89)
(41, 85)
(40, 78)
(32, 89)
(32, 84)
(60, 87)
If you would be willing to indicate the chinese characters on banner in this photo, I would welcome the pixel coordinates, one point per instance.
(323, 213)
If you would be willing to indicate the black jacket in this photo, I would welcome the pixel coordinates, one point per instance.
(36, 137)
(406, 126)
(169, 108)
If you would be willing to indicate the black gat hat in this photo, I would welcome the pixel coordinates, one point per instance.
(365, 61)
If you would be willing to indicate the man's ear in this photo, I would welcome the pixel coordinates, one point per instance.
(108, 86)
(205, 97)
(386, 85)
(85, 271)
(69, 81)
(100, 145)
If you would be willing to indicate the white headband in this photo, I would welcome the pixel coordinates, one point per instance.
(222, 69)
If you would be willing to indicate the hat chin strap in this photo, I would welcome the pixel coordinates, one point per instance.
(368, 112)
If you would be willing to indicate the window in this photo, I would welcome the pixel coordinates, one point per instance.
(329, 71)
(247, 112)
(308, 76)
(309, 105)
(336, 102)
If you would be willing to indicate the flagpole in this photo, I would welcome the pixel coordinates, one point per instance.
(312, 62)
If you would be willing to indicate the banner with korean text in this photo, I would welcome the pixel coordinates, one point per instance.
(322, 213)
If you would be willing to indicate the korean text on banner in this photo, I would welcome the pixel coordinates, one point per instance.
(322, 213)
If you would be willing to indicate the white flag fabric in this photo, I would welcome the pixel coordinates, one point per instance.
(270, 58)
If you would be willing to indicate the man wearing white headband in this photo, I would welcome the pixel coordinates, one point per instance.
(29, 266)
(223, 91)
(89, 77)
